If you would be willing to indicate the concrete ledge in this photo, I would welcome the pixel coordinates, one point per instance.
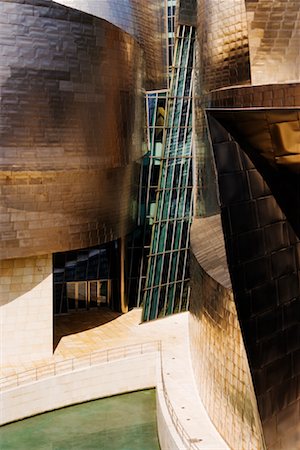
(167, 434)
(91, 383)
(142, 363)
(79, 386)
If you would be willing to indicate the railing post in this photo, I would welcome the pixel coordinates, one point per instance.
(36, 374)
(17, 379)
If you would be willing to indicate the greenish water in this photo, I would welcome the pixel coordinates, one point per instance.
(124, 422)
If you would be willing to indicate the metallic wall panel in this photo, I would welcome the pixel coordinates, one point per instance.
(248, 88)
(143, 20)
(223, 48)
(222, 372)
(274, 40)
(71, 125)
(263, 258)
(260, 96)
(274, 134)
(258, 40)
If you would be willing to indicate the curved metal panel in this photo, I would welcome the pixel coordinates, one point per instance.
(143, 20)
(255, 135)
(263, 257)
(223, 51)
(217, 350)
(71, 108)
(274, 41)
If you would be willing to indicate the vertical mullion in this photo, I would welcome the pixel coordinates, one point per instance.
(179, 221)
(168, 143)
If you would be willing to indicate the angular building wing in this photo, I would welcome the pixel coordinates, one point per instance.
(248, 106)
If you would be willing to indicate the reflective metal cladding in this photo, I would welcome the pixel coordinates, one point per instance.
(248, 92)
(144, 20)
(71, 124)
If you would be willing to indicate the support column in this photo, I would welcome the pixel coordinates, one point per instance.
(123, 297)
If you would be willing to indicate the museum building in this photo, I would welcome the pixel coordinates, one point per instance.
(150, 156)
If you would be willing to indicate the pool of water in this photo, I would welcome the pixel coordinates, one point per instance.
(123, 422)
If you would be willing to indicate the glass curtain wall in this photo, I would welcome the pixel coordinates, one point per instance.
(138, 243)
(167, 281)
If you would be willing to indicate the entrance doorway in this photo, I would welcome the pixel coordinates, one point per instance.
(88, 294)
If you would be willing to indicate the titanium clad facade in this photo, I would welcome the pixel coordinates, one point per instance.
(218, 353)
(247, 115)
(144, 20)
(71, 129)
(274, 38)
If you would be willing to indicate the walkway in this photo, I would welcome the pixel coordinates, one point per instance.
(120, 330)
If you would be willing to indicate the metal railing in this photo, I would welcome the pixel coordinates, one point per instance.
(190, 443)
(103, 356)
(82, 362)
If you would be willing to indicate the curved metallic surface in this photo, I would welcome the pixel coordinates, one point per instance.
(248, 41)
(144, 20)
(248, 103)
(223, 44)
(71, 109)
(222, 372)
(273, 33)
(263, 258)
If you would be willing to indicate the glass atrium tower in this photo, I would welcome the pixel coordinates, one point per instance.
(166, 287)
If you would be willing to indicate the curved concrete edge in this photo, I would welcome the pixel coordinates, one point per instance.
(103, 380)
(182, 421)
(167, 434)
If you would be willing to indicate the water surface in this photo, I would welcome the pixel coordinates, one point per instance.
(123, 422)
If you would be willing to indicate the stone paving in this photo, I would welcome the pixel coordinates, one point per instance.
(88, 331)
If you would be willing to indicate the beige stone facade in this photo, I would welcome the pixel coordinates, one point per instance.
(26, 309)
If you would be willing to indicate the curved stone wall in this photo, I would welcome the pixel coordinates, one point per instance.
(71, 111)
